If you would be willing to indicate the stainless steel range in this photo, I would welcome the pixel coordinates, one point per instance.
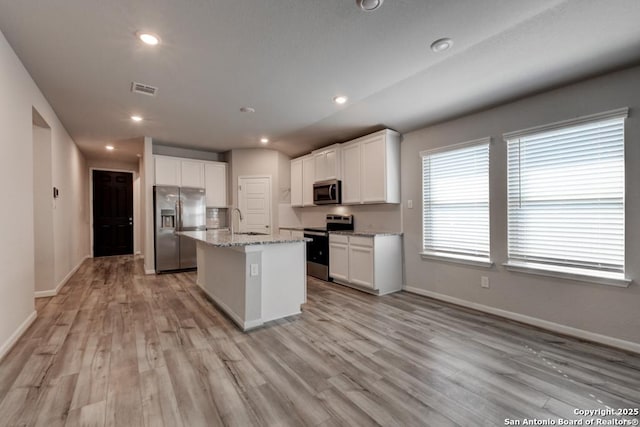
(318, 248)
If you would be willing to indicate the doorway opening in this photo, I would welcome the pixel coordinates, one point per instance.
(44, 199)
(112, 213)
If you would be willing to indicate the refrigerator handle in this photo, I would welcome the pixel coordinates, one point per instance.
(179, 215)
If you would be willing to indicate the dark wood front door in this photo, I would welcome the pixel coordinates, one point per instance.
(112, 213)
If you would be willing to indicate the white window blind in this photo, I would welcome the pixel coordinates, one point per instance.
(455, 214)
(566, 195)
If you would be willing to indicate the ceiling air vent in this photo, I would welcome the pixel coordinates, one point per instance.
(143, 89)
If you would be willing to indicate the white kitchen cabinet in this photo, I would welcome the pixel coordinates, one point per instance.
(370, 263)
(361, 262)
(192, 173)
(296, 182)
(351, 175)
(371, 169)
(380, 173)
(215, 184)
(339, 257)
(167, 170)
(327, 163)
(308, 178)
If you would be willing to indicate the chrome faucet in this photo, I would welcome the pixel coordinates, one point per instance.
(239, 218)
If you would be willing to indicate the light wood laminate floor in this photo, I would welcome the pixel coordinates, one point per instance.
(118, 348)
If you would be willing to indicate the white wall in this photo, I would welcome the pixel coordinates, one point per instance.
(187, 153)
(70, 219)
(597, 309)
(147, 174)
(44, 255)
(384, 217)
(254, 162)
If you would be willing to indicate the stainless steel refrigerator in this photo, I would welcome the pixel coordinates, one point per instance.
(177, 209)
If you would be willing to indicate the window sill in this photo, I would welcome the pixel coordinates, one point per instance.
(457, 259)
(602, 278)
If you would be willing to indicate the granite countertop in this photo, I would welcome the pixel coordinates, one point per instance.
(224, 239)
(367, 233)
(292, 228)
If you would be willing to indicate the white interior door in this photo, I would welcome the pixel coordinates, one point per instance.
(254, 201)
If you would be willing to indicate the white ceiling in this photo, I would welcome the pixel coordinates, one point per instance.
(288, 58)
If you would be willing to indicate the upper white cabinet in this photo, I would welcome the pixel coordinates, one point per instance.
(215, 184)
(302, 179)
(167, 170)
(351, 173)
(371, 169)
(179, 172)
(327, 163)
(296, 182)
(308, 178)
(192, 173)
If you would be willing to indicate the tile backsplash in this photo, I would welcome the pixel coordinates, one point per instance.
(217, 217)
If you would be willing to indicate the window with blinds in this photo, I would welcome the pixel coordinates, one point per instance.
(455, 214)
(566, 195)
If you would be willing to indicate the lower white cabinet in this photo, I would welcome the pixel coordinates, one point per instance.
(372, 264)
(361, 258)
(339, 258)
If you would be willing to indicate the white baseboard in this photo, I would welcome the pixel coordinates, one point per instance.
(534, 321)
(245, 326)
(13, 339)
(54, 292)
(46, 294)
(149, 271)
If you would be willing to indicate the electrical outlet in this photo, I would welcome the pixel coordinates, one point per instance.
(484, 282)
(254, 270)
(409, 204)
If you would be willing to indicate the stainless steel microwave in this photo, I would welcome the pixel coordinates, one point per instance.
(327, 192)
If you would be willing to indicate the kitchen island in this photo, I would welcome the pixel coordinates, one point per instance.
(252, 278)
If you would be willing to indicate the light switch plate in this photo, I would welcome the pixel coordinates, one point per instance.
(410, 204)
(254, 270)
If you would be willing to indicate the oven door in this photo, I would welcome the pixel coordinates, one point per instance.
(318, 254)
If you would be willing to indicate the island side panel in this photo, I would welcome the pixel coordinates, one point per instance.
(284, 279)
(253, 287)
(224, 279)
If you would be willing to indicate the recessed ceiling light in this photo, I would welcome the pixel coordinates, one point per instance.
(264, 140)
(110, 147)
(247, 110)
(149, 38)
(340, 99)
(136, 118)
(441, 45)
(369, 5)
